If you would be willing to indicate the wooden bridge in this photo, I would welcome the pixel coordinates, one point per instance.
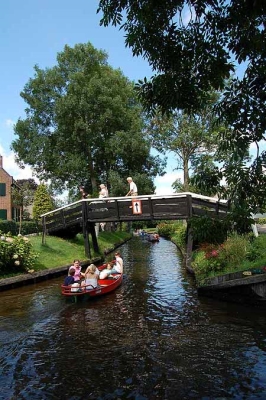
(83, 215)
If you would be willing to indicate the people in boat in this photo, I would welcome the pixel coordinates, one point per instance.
(77, 267)
(119, 264)
(91, 278)
(106, 272)
(70, 278)
(70, 281)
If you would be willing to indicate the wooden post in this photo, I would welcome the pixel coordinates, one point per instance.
(93, 237)
(43, 230)
(85, 230)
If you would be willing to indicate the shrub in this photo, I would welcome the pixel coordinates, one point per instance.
(235, 249)
(167, 230)
(256, 250)
(27, 227)
(8, 226)
(16, 254)
(210, 230)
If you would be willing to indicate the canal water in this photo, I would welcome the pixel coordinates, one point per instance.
(151, 339)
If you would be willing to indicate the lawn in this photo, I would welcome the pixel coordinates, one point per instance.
(58, 252)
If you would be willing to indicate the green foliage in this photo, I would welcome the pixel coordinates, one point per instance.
(57, 252)
(191, 137)
(83, 121)
(191, 57)
(257, 249)
(8, 227)
(168, 229)
(235, 250)
(261, 221)
(12, 227)
(16, 254)
(42, 202)
(237, 253)
(208, 230)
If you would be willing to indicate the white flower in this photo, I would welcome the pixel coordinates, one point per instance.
(15, 256)
(3, 238)
(17, 262)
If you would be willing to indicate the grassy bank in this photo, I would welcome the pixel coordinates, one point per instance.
(57, 252)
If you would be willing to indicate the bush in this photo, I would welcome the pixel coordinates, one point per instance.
(167, 230)
(27, 227)
(208, 230)
(211, 259)
(16, 254)
(236, 249)
(257, 248)
(8, 226)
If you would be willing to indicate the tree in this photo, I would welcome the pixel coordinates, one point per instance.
(189, 137)
(42, 202)
(194, 47)
(22, 195)
(82, 122)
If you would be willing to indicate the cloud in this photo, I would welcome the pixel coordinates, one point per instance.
(13, 169)
(9, 123)
(164, 183)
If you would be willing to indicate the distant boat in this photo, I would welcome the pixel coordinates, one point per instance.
(104, 286)
(153, 237)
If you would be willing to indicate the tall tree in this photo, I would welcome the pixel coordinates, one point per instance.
(189, 137)
(82, 121)
(43, 202)
(194, 47)
(23, 195)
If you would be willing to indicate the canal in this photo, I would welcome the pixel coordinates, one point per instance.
(152, 339)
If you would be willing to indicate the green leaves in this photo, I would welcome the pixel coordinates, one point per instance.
(77, 112)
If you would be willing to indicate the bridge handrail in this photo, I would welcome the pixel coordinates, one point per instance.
(140, 197)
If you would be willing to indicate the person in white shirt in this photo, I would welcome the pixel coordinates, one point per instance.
(133, 190)
(103, 192)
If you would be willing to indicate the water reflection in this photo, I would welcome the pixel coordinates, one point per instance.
(153, 338)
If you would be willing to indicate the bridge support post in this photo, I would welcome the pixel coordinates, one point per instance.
(93, 237)
(86, 241)
(85, 230)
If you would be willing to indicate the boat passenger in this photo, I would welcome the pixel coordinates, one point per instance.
(70, 281)
(77, 267)
(119, 264)
(91, 278)
(106, 272)
(70, 278)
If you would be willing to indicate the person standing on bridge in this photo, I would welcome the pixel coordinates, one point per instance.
(103, 191)
(133, 190)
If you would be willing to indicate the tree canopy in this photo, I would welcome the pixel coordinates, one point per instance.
(192, 138)
(193, 48)
(82, 122)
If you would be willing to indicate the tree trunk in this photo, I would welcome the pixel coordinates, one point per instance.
(186, 175)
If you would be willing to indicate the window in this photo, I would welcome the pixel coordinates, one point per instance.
(3, 214)
(2, 189)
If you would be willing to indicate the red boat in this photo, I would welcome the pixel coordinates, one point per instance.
(104, 286)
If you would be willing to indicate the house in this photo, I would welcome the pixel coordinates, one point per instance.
(8, 210)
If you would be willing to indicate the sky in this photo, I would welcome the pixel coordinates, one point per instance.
(33, 32)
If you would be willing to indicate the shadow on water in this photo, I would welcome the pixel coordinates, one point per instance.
(153, 338)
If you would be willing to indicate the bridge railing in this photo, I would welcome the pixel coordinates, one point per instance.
(140, 208)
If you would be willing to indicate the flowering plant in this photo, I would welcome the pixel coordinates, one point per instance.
(16, 254)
